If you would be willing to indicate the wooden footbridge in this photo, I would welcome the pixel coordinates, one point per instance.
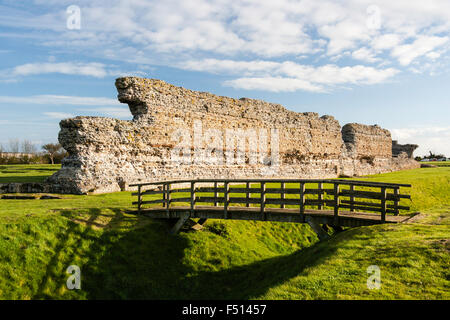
(320, 203)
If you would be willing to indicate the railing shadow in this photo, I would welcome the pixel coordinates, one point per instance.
(136, 258)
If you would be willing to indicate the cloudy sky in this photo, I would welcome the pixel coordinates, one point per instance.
(379, 62)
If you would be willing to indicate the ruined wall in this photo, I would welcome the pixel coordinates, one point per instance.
(179, 133)
(364, 141)
(406, 149)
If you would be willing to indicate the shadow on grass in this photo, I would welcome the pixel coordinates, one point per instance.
(136, 258)
(21, 179)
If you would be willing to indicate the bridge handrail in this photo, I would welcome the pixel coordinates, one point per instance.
(289, 180)
(338, 198)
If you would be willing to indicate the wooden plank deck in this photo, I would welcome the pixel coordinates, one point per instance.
(346, 218)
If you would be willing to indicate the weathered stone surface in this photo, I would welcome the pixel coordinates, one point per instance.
(408, 149)
(364, 141)
(107, 154)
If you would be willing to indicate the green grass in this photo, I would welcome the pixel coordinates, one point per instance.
(123, 256)
(27, 172)
(439, 163)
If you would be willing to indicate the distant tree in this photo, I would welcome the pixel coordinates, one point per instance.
(418, 158)
(28, 147)
(434, 156)
(53, 150)
(14, 145)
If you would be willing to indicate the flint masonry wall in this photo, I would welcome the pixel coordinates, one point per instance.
(405, 150)
(175, 132)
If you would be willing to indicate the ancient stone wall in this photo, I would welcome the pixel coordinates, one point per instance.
(364, 141)
(178, 133)
(407, 149)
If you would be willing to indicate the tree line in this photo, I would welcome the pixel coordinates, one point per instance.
(26, 152)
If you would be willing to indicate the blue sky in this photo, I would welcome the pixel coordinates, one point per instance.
(373, 62)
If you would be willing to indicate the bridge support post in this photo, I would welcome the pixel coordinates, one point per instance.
(179, 224)
(321, 234)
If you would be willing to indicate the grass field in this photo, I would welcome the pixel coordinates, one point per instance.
(27, 172)
(439, 163)
(124, 256)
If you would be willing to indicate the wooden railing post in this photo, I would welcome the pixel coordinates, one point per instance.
(216, 195)
(226, 198)
(192, 197)
(352, 198)
(263, 200)
(168, 197)
(247, 194)
(302, 201)
(283, 187)
(396, 200)
(383, 204)
(164, 194)
(320, 196)
(139, 199)
(336, 203)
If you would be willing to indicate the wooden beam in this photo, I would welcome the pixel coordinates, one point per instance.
(396, 193)
(139, 199)
(352, 198)
(216, 195)
(320, 196)
(302, 201)
(192, 196)
(346, 219)
(336, 203)
(383, 204)
(179, 224)
(263, 200)
(321, 234)
(247, 194)
(168, 196)
(164, 195)
(226, 197)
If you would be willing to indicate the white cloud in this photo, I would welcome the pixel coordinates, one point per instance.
(261, 28)
(93, 69)
(230, 66)
(58, 115)
(423, 44)
(170, 33)
(290, 76)
(59, 100)
(113, 112)
(365, 54)
(435, 139)
(385, 41)
(275, 84)
(433, 55)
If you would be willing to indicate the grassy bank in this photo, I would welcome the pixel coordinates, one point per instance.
(124, 256)
(27, 172)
